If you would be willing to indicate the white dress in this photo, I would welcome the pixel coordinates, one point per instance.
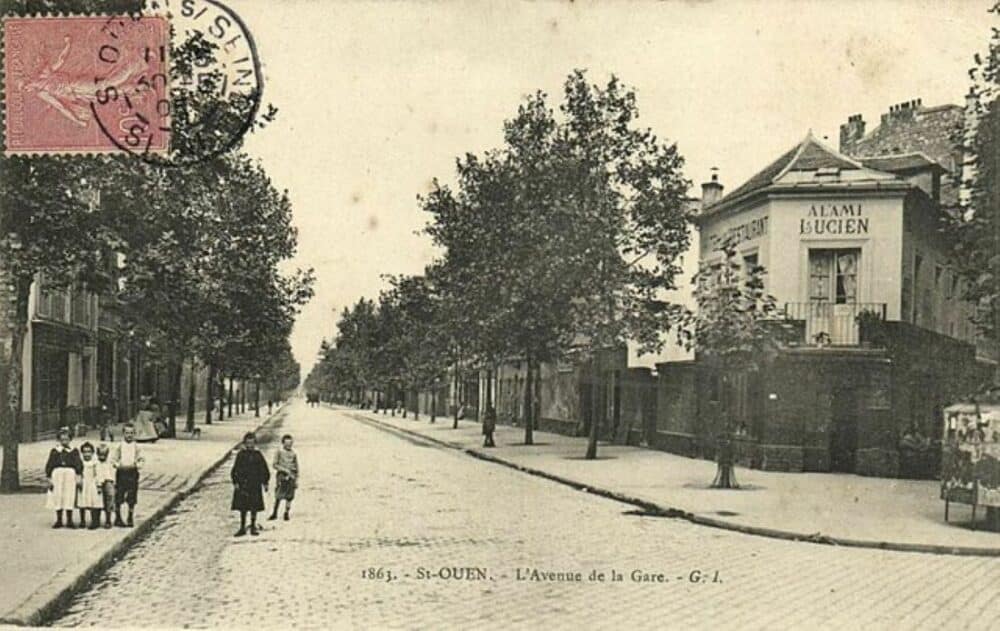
(63, 493)
(90, 496)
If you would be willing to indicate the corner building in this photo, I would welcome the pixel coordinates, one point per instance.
(880, 340)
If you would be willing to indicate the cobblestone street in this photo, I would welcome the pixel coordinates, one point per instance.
(376, 504)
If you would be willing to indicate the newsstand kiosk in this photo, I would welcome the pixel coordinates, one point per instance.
(970, 465)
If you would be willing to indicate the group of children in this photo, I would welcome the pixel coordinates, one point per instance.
(251, 476)
(79, 481)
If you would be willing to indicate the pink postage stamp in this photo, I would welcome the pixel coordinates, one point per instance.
(59, 70)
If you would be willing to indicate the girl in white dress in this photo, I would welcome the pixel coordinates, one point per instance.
(91, 496)
(63, 469)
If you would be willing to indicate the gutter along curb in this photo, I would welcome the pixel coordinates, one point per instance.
(655, 510)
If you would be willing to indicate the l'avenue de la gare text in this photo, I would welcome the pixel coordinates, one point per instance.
(535, 575)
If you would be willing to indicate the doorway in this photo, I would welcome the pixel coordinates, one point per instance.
(843, 430)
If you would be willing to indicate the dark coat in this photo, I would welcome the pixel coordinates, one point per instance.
(59, 458)
(250, 474)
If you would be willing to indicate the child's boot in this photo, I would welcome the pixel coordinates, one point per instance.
(118, 517)
(95, 518)
(69, 519)
(59, 523)
(107, 519)
(130, 521)
(83, 519)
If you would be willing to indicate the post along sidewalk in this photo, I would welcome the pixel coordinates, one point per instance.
(838, 508)
(43, 564)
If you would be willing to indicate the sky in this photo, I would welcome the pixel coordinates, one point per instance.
(375, 99)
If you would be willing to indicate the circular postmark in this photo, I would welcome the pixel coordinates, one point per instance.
(180, 85)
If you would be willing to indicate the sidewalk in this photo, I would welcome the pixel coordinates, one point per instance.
(842, 509)
(43, 565)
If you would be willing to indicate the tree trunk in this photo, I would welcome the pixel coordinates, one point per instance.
(256, 399)
(209, 395)
(230, 414)
(529, 407)
(457, 402)
(191, 397)
(10, 382)
(433, 403)
(175, 395)
(416, 404)
(222, 394)
(594, 412)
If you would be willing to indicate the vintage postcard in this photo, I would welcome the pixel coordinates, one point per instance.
(500, 314)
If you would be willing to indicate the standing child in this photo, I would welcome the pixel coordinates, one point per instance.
(128, 461)
(286, 466)
(250, 476)
(90, 493)
(106, 480)
(63, 469)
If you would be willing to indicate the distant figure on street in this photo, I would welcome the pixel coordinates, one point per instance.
(63, 469)
(489, 426)
(127, 462)
(250, 476)
(269, 404)
(286, 474)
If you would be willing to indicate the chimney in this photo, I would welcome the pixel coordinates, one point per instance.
(711, 191)
(851, 132)
(902, 111)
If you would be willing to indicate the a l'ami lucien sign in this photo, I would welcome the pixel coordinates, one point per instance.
(834, 219)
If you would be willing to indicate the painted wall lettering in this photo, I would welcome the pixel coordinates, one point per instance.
(753, 229)
(834, 219)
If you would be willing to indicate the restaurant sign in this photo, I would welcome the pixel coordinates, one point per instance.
(834, 220)
(748, 231)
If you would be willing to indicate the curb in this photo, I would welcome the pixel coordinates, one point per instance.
(47, 611)
(655, 510)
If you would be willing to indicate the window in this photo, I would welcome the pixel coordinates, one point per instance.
(833, 275)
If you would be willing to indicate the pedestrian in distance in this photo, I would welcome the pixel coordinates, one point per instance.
(250, 476)
(106, 479)
(90, 500)
(64, 469)
(127, 462)
(286, 475)
(489, 426)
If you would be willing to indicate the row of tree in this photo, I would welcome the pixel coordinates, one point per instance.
(188, 257)
(561, 243)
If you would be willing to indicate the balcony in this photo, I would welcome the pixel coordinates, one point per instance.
(829, 324)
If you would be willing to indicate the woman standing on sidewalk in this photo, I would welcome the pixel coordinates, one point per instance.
(63, 469)
(250, 476)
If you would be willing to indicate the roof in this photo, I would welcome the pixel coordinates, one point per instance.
(913, 161)
(808, 162)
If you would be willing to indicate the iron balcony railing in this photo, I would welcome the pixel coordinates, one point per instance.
(830, 324)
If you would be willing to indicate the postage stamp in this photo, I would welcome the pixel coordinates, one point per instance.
(57, 69)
